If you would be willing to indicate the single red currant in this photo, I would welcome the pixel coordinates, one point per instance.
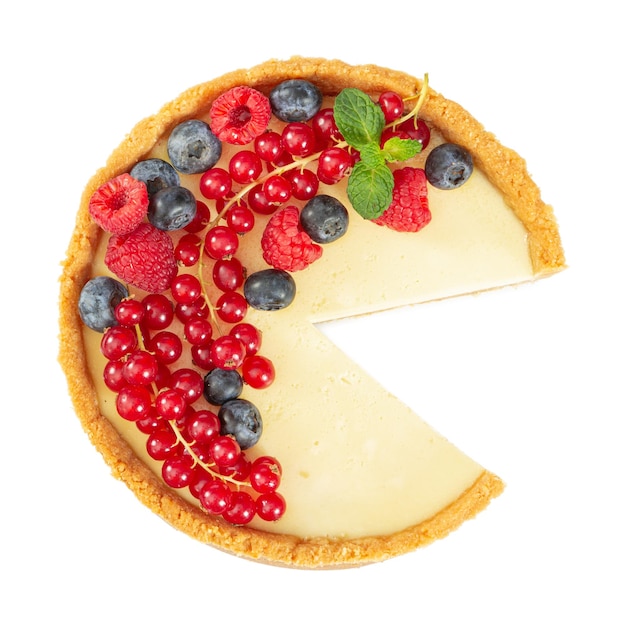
(232, 307)
(258, 371)
(392, 105)
(198, 331)
(215, 183)
(129, 312)
(416, 129)
(228, 274)
(270, 506)
(162, 443)
(240, 218)
(203, 427)
(117, 342)
(215, 497)
(325, 127)
(166, 346)
(112, 375)
(220, 242)
(170, 404)
(177, 471)
(304, 183)
(298, 139)
(242, 509)
(277, 189)
(159, 311)
(333, 165)
(186, 288)
(186, 312)
(265, 475)
(227, 352)
(245, 166)
(140, 368)
(189, 383)
(187, 250)
(258, 201)
(133, 402)
(268, 146)
(224, 450)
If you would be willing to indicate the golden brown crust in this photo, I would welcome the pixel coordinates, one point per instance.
(503, 166)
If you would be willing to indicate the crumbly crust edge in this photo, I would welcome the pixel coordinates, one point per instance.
(505, 168)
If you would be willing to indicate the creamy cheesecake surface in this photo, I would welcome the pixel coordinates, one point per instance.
(363, 476)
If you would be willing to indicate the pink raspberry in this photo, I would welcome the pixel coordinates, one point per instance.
(240, 115)
(119, 205)
(408, 211)
(285, 245)
(144, 258)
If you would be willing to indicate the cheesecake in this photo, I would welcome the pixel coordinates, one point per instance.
(359, 477)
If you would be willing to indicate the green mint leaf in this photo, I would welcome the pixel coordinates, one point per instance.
(372, 156)
(358, 118)
(370, 189)
(396, 149)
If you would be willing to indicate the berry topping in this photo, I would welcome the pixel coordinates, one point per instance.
(324, 219)
(193, 148)
(408, 211)
(98, 300)
(119, 205)
(145, 258)
(295, 100)
(241, 419)
(448, 166)
(221, 385)
(240, 115)
(285, 245)
(156, 174)
(172, 208)
(270, 290)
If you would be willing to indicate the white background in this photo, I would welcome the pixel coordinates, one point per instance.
(528, 381)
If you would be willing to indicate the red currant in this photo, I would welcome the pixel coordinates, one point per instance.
(129, 312)
(117, 342)
(265, 475)
(220, 242)
(325, 127)
(298, 139)
(170, 404)
(245, 166)
(224, 450)
(304, 183)
(186, 288)
(268, 146)
(149, 422)
(215, 183)
(203, 427)
(159, 311)
(277, 189)
(270, 506)
(188, 383)
(201, 219)
(242, 508)
(177, 471)
(240, 219)
(198, 308)
(112, 375)
(258, 371)
(259, 202)
(232, 307)
(392, 105)
(162, 443)
(228, 274)
(198, 331)
(215, 497)
(166, 346)
(133, 402)
(187, 250)
(417, 130)
(140, 368)
(227, 352)
(333, 165)
(249, 335)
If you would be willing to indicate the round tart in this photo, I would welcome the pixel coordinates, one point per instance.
(217, 235)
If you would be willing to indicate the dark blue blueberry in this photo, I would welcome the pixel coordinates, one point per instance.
(156, 174)
(172, 208)
(222, 385)
(295, 100)
(193, 148)
(97, 302)
(448, 166)
(324, 218)
(241, 419)
(269, 290)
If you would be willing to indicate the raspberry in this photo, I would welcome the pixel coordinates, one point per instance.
(408, 211)
(119, 205)
(285, 245)
(144, 258)
(240, 115)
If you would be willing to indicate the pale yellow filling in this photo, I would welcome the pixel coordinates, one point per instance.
(357, 461)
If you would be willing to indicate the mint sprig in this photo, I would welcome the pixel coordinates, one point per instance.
(361, 122)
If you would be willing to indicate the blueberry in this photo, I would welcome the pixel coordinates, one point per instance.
(269, 290)
(156, 174)
(172, 208)
(97, 302)
(193, 148)
(222, 385)
(295, 100)
(241, 419)
(448, 166)
(324, 218)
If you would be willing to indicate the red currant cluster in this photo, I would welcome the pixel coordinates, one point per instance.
(166, 404)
